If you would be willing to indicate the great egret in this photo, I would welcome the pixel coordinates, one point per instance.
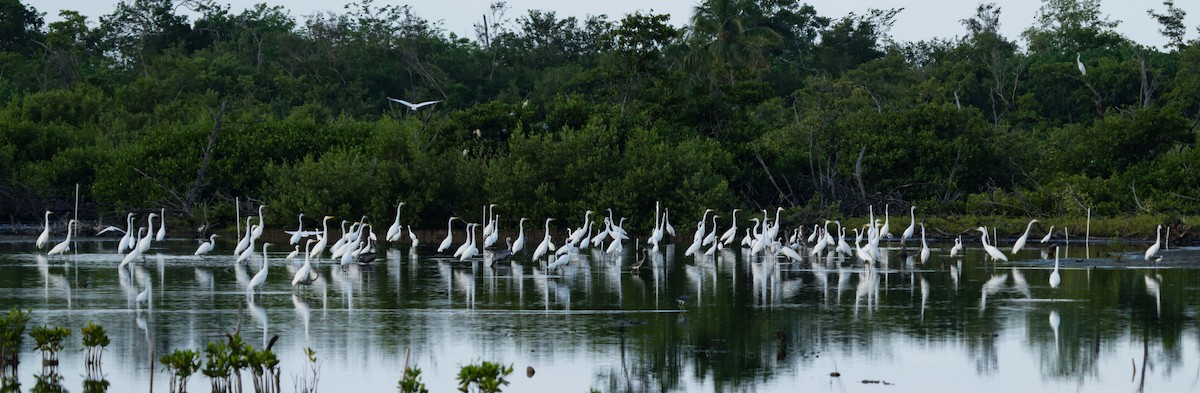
(578, 234)
(563, 260)
(1149, 251)
(413, 237)
(472, 248)
(304, 271)
(292, 255)
(544, 246)
(990, 249)
(491, 238)
(127, 241)
(1055, 279)
(1079, 62)
(45, 236)
(821, 244)
(66, 244)
(143, 245)
(413, 106)
(206, 246)
(466, 244)
(1047, 237)
(729, 235)
(912, 226)
(394, 231)
(924, 245)
(245, 241)
(142, 297)
(667, 222)
(258, 230)
(1025, 236)
(520, 242)
(162, 227)
(249, 252)
(133, 250)
(489, 224)
(712, 236)
(958, 246)
(323, 240)
(295, 239)
(449, 235)
(261, 276)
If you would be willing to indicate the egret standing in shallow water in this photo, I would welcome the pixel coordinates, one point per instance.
(1055, 279)
(449, 235)
(162, 227)
(45, 237)
(261, 276)
(991, 250)
(206, 246)
(1149, 251)
(393, 233)
(1047, 237)
(1021, 240)
(66, 244)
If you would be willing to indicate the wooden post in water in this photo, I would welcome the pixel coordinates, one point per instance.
(1087, 236)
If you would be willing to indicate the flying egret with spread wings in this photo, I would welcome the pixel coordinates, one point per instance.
(412, 105)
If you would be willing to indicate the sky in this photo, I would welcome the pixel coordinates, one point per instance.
(920, 20)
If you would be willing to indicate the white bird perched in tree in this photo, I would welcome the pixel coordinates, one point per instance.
(1149, 251)
(261, 276)
(912, 226)
(449, 235)
(1047, 237)
(1025, 236)
(206, 246)
(412, 105)
(990, 249)
(66, 244)
(162, 228)
(44, 238)
(394, 231)
(1079, 62)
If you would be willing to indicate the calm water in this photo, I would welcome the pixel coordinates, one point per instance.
(951, 324)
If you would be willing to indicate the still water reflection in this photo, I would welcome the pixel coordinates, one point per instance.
(951, 324)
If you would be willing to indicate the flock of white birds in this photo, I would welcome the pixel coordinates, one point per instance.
(357, 243)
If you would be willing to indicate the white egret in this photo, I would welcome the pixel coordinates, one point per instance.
(413, 238)
(143, 245)
(712, 236)
(1055, 279)
(304, 271)
(1047, 237)
(544, 246)
(1025, 236)
(958, 246)
(1079, 62)
(667, 222)
(564, 259)
(821, 243)
(413, 106)
(66, 244)
(1149, 251)
(133, 251)
(520, 243)
(127, 241)
(261, 276)
(842, 246)
(912, 226)
(473, 249)
(990, 249)
(656, 235)
(292, 255)
(449, 235)
(44, 238)
(885, 230)
(466, 244)
(206, 246)
(245, 241)
(249, 252)
(258, 230)
(162, 227)
(295, 239)
(924, 245)
(394, 231)
(491, 238)
(142, 297)
(578, 234)
(489, 224)
(730, 233)
(587, 238)
(323, 240)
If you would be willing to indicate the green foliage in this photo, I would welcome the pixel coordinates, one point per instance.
(485, 377)
(12, 330)
(755, 104)
(411, 381)
(49, 340)
(181, 363)
(307, 383)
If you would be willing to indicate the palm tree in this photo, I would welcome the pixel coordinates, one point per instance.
(724, 40)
